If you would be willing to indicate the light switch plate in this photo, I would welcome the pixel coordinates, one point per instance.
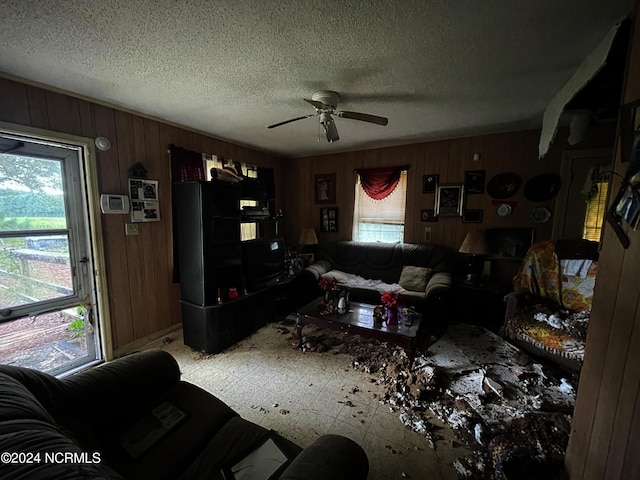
(131, 229)
(427, 234)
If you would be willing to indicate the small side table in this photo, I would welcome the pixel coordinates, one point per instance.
(480, 303)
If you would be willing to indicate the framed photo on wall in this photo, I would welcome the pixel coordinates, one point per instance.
(329, 219)
(509, 242)
(630, 131)
(449, 200)
(472, 216)
(474, 181)
(430, 182)
(325, 188)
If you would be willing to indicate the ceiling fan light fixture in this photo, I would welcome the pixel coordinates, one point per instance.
(329, 126)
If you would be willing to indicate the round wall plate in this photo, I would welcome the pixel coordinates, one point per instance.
(102, 143)
(540, 215)
(542, 187)
(504, 210)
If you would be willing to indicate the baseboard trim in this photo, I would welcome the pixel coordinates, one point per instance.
(146, 341)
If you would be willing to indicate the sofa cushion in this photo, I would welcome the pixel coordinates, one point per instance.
(173, 453)
(414, 278)
(234, 441)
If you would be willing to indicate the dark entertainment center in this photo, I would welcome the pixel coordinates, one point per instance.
(227, 249)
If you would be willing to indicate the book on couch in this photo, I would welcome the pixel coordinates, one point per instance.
(265, 462)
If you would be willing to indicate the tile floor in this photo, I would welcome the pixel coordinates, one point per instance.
(304, 395)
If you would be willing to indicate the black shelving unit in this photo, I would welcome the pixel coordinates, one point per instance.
(208, 218)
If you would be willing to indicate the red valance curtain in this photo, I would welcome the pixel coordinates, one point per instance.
(186, 165)
(378, 183)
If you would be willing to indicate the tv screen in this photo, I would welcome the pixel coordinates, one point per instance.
(263, 262)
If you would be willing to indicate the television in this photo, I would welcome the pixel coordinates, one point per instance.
(263, 263)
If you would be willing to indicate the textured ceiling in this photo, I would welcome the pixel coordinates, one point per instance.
(436, 68)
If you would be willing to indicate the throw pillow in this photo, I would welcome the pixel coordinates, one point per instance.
(414, 278)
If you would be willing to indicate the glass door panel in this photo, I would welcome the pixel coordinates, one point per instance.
(46, 282)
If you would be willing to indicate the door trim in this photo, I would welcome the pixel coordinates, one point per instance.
(566, 164)
(89, 170)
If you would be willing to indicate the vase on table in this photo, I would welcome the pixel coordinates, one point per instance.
(392, 316)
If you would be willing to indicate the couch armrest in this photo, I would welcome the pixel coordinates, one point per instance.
(124, 384)
(319, 268)
(516, 301)
(330, 456)
(439, 287)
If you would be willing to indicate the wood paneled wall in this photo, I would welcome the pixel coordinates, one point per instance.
(605, 436)
(143, 299)
(505, 152)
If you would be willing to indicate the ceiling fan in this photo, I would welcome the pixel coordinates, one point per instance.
(325, 103)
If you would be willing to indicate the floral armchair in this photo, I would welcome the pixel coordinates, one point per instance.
(548, 312)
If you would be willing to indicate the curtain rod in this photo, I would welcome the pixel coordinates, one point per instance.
(398, 167)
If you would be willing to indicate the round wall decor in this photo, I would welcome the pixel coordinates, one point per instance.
(504, 185)
(504, 210)
(542, 187)
(540, 215)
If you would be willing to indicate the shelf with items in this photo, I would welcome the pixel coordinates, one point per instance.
(212, 233)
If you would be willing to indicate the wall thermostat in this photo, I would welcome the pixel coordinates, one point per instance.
(114, 203)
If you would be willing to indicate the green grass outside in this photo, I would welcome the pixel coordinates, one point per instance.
(32, 223)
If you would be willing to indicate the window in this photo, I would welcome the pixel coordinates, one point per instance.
(249, 230)
(380, 220)
(595, 212)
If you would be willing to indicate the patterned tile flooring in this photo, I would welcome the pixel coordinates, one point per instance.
(304, 395)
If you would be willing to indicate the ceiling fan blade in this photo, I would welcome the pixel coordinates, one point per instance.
(289, 121)
(364, 117)
(317, 104)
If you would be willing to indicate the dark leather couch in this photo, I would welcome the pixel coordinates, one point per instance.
(385, 261)
(87, 413)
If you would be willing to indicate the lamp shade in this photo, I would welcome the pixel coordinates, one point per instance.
(308, 237)
(475, 243)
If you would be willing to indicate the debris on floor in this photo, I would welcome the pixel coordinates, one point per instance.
(513, 413)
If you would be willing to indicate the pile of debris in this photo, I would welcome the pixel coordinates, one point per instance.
(513, 413)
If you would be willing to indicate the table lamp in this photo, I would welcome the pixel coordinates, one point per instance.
(475, 249)
(308, 240)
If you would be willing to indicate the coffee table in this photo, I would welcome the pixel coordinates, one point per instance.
(359, 321)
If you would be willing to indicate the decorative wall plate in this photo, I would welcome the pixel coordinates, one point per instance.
(504, 185)
(504, 210)
(540, 215)
(542, 187)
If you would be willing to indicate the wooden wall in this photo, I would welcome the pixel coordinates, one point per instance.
(142, 297)
(605, 436)
(504, 152)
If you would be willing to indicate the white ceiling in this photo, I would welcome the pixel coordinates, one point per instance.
(436, 68)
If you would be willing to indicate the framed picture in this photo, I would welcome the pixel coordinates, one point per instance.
(630, 132)
(474, 181)
(325, 188)
(329, 219)
(449, 200)
(428, 215)
(472, 216)
(429, 183)
(509, 242)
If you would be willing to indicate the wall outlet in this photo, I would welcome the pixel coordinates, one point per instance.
(427, 234)
(131, 229)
